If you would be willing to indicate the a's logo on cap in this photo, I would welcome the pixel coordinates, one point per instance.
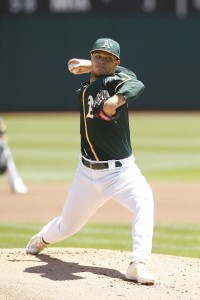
(107, 44)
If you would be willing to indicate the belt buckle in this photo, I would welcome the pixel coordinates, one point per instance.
(90, 164)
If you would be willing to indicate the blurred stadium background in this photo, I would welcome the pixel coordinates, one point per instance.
(159, 41)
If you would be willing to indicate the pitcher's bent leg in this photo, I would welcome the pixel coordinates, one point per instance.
(82, 202)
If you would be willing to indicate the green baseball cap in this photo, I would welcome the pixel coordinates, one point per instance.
(107, 45)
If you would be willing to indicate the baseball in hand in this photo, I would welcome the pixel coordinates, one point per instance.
(75, 71)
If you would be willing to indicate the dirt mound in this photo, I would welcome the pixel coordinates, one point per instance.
(81, 274)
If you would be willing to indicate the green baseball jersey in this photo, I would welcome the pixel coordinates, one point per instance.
(103, 140)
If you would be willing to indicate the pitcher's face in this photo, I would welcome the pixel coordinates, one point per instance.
(103, 63)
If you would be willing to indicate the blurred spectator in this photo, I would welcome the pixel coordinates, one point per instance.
(7, 164)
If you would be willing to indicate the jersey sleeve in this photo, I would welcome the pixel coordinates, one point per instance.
(129, 86)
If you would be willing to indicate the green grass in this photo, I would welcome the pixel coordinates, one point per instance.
(46, 146)
(167, 145)
(173, 239)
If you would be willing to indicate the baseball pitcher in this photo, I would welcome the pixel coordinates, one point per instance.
(107, 168)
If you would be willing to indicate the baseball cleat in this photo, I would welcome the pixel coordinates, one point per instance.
(35, 245)
(137, 271)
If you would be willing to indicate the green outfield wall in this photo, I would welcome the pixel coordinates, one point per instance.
(164, 52)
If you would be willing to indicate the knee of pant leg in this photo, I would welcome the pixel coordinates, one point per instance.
(148, 194)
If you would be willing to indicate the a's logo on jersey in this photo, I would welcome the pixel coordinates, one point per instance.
(107, 44)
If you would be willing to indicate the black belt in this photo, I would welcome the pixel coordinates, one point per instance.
(98, 165)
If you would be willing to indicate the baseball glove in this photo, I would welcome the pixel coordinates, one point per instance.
(3, 161)
(99, 101)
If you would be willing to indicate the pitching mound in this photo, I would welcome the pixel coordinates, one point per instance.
(82, 274)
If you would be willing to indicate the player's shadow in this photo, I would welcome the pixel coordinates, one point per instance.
(56, 269)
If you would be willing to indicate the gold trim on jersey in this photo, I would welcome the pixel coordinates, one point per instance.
(85, 123)
(124, 79)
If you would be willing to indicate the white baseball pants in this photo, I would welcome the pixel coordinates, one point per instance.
(92, 188)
